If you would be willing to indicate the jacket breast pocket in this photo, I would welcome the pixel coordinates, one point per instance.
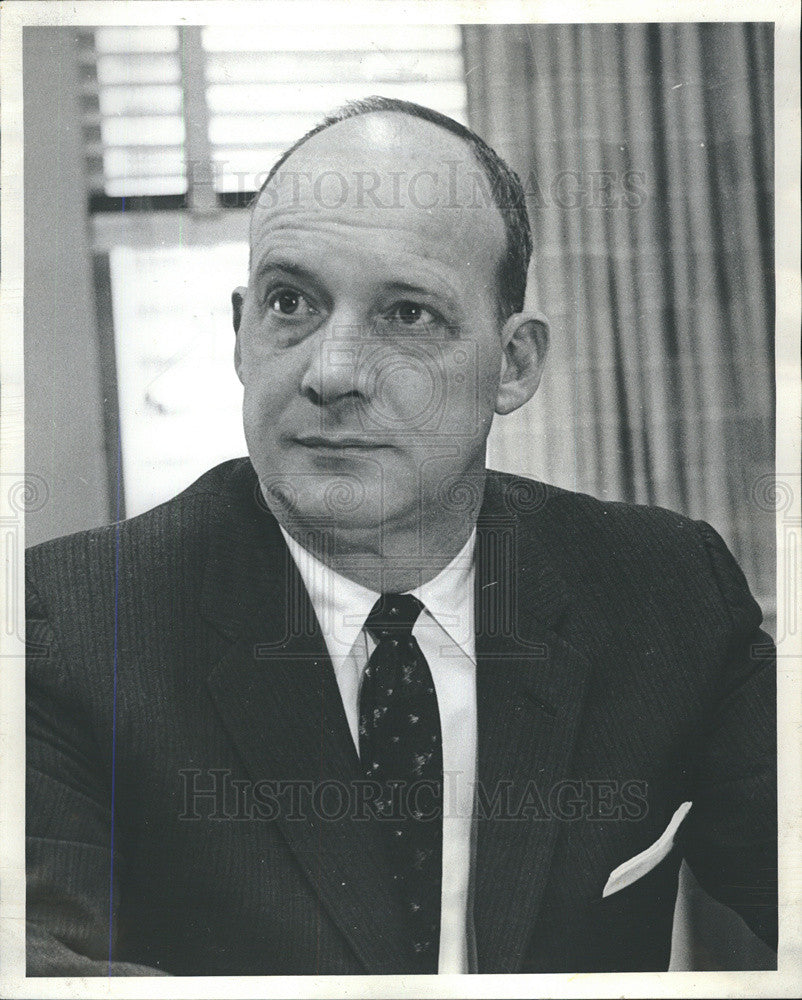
(656, 888)
(630, 930)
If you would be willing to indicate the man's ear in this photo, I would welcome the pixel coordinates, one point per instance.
(525, 339)
(238, 304)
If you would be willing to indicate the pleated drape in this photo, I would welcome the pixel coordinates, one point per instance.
(646, 151)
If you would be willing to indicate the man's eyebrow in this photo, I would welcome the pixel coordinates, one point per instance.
(407, 288)
(269, 263)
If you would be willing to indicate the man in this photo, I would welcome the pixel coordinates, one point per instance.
(357, 705)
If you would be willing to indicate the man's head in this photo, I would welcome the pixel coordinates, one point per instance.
(382, 325)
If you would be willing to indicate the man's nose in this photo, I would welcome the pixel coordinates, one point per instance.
(335, 370)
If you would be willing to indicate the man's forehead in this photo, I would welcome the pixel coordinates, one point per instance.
(373, 167)
(382, 140)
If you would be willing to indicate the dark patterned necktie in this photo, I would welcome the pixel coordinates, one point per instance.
(400, 747)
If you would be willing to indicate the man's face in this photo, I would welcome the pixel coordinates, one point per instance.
(369, 344)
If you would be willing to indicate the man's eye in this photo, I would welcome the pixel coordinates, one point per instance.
(288, 302)
(411, 314)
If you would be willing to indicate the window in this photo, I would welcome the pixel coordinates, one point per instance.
(168, 108)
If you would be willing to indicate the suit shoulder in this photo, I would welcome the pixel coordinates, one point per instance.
(629, 549)
(565, 509)
(640, 541)
(182, 522)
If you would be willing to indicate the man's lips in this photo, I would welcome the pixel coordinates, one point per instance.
(338, 442)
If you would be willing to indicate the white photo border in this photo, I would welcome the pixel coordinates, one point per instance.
(785, 981)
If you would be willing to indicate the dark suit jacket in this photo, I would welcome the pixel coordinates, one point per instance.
(621, 671)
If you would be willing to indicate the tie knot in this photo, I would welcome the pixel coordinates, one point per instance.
(393, 614)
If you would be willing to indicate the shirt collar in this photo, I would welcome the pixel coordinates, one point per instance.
(342, 605)
(449, 597)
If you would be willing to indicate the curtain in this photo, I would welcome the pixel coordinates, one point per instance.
(647, 159)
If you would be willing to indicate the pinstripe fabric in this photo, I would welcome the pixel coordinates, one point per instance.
(620, 672)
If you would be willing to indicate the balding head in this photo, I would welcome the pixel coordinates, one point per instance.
(470, 175)
(406, 183)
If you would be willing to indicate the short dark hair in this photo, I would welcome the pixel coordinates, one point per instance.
(505, 187)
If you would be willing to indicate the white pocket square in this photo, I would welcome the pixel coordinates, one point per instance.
(633, 869)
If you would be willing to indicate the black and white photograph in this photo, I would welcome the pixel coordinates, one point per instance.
(400, 500)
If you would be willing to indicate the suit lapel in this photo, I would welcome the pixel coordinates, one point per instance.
(278, 697)
(530, 687)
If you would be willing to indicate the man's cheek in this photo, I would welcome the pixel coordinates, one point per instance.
(260, 417)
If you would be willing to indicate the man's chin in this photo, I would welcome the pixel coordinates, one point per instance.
(343, 501)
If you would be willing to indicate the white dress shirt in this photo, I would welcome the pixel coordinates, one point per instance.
(445, 634)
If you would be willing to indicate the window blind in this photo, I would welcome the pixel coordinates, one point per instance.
(133, 111)
(262, 87)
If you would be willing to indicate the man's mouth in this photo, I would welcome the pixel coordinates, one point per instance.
(338, 442)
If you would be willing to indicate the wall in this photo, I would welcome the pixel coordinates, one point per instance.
(62, 370)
